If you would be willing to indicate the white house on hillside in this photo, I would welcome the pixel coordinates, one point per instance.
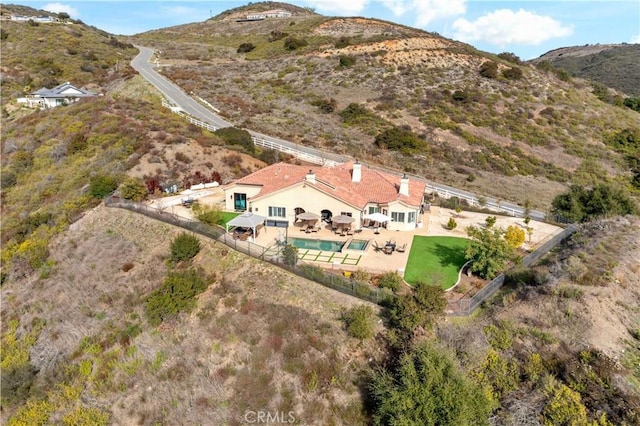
(276, 13)
(63, 94)
(282, 191)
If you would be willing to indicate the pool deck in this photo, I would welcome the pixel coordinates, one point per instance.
(433, 224)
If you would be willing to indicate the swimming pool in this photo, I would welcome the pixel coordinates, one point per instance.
(357, 245)
(324, 245)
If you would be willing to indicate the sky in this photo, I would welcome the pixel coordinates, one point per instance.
(526, 28)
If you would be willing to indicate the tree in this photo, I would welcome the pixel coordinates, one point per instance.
(529, 232)
(418, 310)
(582, 205)
(426, 388)
(488, 251)
(133, 189)
(514, 236)
(359, 322)
(290, 254)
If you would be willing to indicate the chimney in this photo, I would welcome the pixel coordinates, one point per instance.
(404, 186)
(311, 177)
(356, 173)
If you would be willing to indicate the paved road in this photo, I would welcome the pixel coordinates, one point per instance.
(186, 103)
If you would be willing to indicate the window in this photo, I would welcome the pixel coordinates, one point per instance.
(397, 216)
(373, 210)
(239, 201)
(277, 211)
(346, 214)
(412, 217)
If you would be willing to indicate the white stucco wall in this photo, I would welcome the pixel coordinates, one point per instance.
(306, 197)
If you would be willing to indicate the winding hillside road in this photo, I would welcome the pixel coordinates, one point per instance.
(142, 63)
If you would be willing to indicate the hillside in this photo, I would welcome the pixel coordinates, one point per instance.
(341, 83)
(614, 65)
(80, 342)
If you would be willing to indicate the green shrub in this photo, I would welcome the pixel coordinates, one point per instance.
(290, 254)
(390, 280)
(184, 247)
(325, 106)
(177, 294)
(102, 185)
(489, 69)
(359, 322)
(347, 61)
(513, 73)
(245, 48)
(452, 224)
(133, 189)
(292, 43)
(235, 136)
(400, 139)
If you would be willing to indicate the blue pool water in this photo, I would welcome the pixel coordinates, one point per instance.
(357, 245)
(323, 245)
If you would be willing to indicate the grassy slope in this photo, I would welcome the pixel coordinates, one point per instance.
(436, 259)
(259, 339)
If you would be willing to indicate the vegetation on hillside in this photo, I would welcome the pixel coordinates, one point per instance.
(506, 121)
(59, 52)
(614, 66)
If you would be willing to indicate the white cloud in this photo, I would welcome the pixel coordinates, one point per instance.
(505, 27)
(635, 38)
(59, 8)
(397, 7)
(427, 11)
(339, 7)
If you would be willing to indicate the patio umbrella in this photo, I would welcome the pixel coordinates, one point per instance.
(343, 219)
(308, 216)
(378, 217)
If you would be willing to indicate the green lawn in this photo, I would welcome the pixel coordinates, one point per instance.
(435, 260)
(226, 217)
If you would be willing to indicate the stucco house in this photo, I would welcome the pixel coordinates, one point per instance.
(275, 13)
(282, 191)
(62, 94)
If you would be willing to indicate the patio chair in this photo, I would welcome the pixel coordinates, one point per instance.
(349, 231)
(376, 247)
(401, 248)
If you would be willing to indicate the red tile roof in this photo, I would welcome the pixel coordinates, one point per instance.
(374, 187)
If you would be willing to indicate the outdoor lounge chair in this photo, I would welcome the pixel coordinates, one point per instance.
(376, 247)
(401, 248)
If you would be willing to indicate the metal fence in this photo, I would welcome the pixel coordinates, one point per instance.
(270, 254)
(467, 305)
